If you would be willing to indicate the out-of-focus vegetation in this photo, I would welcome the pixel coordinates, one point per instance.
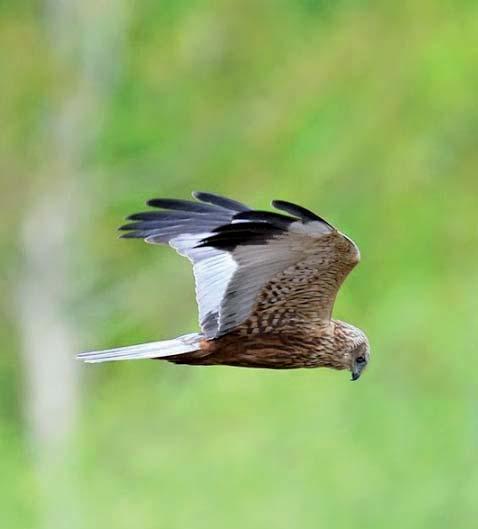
(366, 112)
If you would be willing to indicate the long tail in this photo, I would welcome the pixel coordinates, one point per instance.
(183, 344)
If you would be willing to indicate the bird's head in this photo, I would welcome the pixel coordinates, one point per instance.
(359, 357)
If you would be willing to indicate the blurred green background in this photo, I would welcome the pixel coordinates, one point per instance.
(365, 112)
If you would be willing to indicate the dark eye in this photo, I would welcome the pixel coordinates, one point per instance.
(360, 360)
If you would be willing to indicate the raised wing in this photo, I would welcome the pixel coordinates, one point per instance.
(263, 268)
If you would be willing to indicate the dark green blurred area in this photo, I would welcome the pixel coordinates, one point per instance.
(366, 113)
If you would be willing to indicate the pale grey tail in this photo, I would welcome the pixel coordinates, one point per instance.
(183, 344)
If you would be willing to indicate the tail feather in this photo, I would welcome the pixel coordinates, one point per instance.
(183, 344)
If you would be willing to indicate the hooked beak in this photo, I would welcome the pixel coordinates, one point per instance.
(355, 375)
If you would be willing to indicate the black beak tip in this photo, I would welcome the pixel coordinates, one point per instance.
(355, 376)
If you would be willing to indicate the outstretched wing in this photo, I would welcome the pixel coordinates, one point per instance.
(263, 268)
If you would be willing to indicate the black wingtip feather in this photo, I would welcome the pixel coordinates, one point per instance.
(228, 222)
(168, 215)
(142, 226)
(132, 235)
(250, 227)
(229, 236)
(270, 217)
(183, 205)
(299, 211)
(180, 205)
(218, 200)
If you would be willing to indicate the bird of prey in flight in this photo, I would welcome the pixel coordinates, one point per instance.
(266, 283)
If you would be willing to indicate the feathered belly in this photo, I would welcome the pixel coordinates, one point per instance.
(266, 351)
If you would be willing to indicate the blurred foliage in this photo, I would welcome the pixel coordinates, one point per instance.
(363, 111)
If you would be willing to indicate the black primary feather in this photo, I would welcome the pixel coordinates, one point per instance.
(270, 217)
(252, 227)
(230, 236)
(182, 205)
(178, 218)
(196, 225)
(217, 200)
(162, 215)
(304, 214)
(229, 223)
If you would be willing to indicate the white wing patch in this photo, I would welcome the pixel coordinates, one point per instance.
(213, 270)
(212, 277)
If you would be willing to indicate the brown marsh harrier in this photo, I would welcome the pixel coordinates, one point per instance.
(266, 284)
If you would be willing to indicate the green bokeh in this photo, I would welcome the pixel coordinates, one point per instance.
(365, 112)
